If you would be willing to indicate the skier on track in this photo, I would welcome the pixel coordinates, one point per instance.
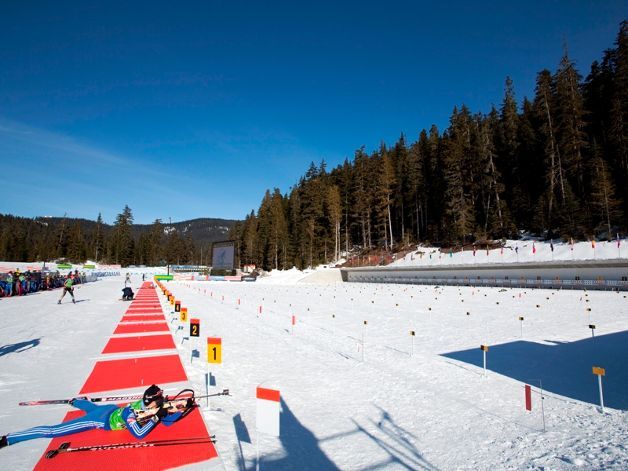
(67, 288)
(139, 418)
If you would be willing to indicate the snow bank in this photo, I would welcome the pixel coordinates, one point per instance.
(515, 251)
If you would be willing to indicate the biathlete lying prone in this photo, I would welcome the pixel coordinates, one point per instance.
(139, 417)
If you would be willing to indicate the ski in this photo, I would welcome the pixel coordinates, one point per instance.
(65, 447)
(92, 399)
(134, 397)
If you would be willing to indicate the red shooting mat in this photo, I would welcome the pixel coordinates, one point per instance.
(137, 328)
(137, 344)
(145, 310)
(143, 318)
(134, 372)
(153, 458)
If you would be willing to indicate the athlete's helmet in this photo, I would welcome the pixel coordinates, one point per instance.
(153, 393)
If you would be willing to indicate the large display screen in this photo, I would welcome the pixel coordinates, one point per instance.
(223, 254)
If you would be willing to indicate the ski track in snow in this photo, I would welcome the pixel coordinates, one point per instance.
(430, 410)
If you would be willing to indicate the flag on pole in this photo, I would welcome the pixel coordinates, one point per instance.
(451, 254)
(552, 245)
(618, 241)
(533, 248)
(571, 243)
(474, 250)
(487, 250)
(593, 244)
(501, 251)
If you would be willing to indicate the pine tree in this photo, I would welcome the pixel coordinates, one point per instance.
(98, 239)
(544, 109)
(123, 243)
(458, 198)
(490, 181)
(76, 244)
(435, 169)
(248, 242)
(401, 196)
(346, 184)
(383, 195)
(607, 207)
(363, 197)
(279, 238)
(62, 239)
(417, 188)
(571, 137)
(334, 210)
(507, 147)
(531, 171)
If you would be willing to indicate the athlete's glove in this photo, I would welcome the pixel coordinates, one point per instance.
(189, 403)
(162, 412)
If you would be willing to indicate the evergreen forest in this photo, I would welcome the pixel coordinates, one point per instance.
(554, 165)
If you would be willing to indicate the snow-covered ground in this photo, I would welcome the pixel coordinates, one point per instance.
(358, 396)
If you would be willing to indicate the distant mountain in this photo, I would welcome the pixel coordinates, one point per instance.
(202, 230)
(52, 238)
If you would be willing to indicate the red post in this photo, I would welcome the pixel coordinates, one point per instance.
(528, 397)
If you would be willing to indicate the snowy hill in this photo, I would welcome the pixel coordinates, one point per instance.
(515, 251)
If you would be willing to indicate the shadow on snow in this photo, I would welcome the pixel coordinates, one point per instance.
(19, 347)
(564, 367)
(302, 450)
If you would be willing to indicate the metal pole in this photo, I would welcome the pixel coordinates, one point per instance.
(599, 379)
(484, 355)
(542, 404)
(363, 330)
(207, 389)
(257, 450)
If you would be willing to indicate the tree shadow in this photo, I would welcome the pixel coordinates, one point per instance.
(397, 442)
(564, 367)
(19, 347)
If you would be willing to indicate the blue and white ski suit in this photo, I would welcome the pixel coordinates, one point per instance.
(96, 417)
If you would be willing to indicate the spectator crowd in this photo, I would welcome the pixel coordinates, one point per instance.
(17, 283)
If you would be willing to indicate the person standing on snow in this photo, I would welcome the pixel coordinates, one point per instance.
(139, 418)
(67, 288)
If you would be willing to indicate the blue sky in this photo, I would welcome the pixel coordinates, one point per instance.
(194, 109)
